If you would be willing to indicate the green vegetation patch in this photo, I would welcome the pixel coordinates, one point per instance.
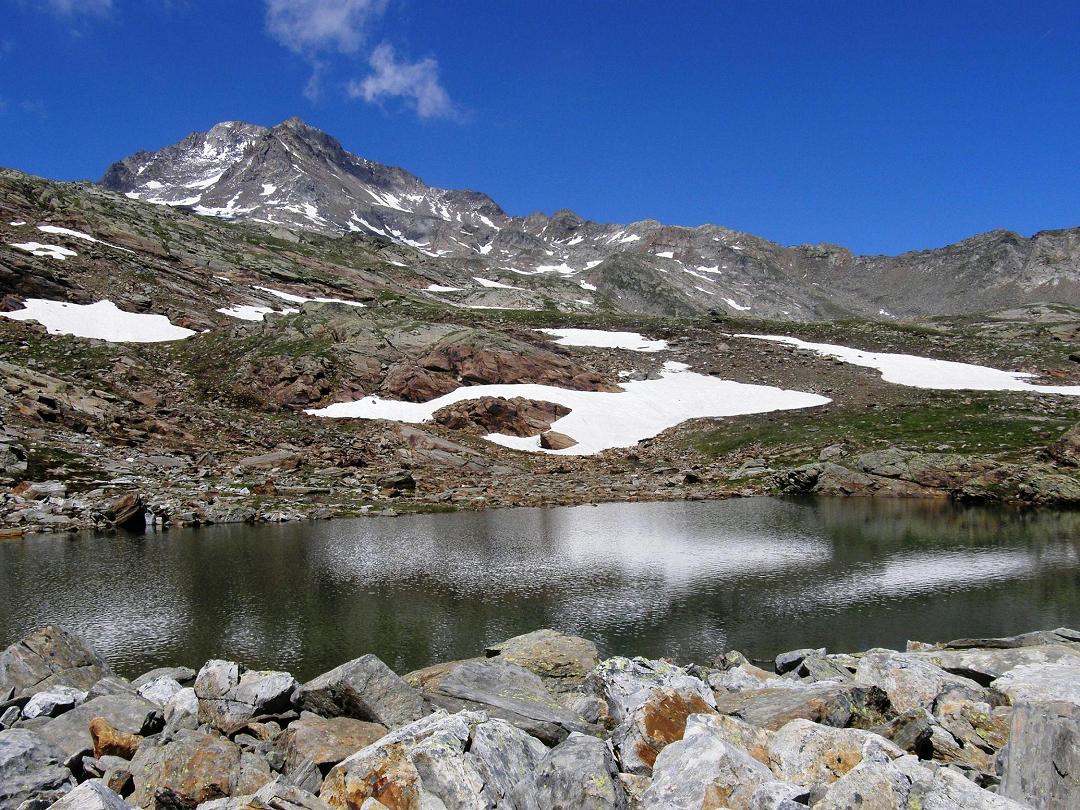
(965, 423)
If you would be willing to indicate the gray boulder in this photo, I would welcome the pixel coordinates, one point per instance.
(129, 714)
(1041, 683)
(826, 702)
(92, 795)
(625, 683)
(230, 696)
(501, 753)
(110, 685)
(365, 689)
(159, 690)
(276, 795)
(562, 660)
(53, 702)
(30, 769)
(984, 665)
(704, 769)
(808, 753)
(182, 711)
(912, 682)
(788, 661)
(49, 657)
(412, 766)
(509, 692)
(1041, 763)
(907, 783)
(185, 676)
(579, 772)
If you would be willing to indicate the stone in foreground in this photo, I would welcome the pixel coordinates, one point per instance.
(92, 795)
(364, 689)
(30, 769)
(579, 772)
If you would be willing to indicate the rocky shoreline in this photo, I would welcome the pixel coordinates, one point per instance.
(541, 722)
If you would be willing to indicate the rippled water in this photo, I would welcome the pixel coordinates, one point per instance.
(687, 580)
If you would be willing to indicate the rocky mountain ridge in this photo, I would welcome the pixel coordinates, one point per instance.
(295, 177)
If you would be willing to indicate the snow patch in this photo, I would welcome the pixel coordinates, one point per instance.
(733, 305)
(666, 254)
(102, 320)
(494, 285)
(441, 288)
(48, 251)
(600, 420)
(925, 372)
(602, 339)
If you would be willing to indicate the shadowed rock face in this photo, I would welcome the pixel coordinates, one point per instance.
(296, 176)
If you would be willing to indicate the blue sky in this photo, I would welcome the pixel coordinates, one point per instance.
(876, 125)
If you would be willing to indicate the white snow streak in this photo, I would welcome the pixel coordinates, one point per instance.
(602, 339)
(925, 372)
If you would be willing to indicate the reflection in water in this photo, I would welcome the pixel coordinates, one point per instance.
(687, 580)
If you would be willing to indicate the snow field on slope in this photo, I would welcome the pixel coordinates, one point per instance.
(602, 339)
(925, 372)
(102, 320)
(600, 420)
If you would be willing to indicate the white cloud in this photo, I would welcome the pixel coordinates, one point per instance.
(80, 6)
(415, 82)
(310, 26)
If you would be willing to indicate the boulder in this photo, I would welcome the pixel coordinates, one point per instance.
(364, 689)
(431, 761)
(324, 742)
(554, 440)
(185, 676)
(509, 692)
(277, 459)
(1041, 683)
(1066, 450)
(984, 665)
(109, 741)
(49, 657)
(654, 725)
(191, 768)
(512, 417)
(911, 682)
(91, 795)
(1060, 635)
(501, 753)
(625, 683)
(30, 768)
(1041, 763)
(397, 481)
(53, 702)
(704, 770)
(230, 696)
(906, 783)
(809, 753)
(159, 690)
(562, 660)
(182, 710)
(110, 685)
(789, 661)
(276, 795)
(127, 714)
(828, 703)
(579, 772)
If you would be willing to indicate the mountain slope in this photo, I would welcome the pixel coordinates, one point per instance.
(297, 177)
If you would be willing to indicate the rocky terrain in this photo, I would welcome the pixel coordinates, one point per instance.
(298, 177)
(267, 320)
(543, 722)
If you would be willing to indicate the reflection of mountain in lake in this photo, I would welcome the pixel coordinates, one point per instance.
(681, 579)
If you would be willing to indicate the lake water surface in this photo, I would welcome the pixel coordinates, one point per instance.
(685, 580)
